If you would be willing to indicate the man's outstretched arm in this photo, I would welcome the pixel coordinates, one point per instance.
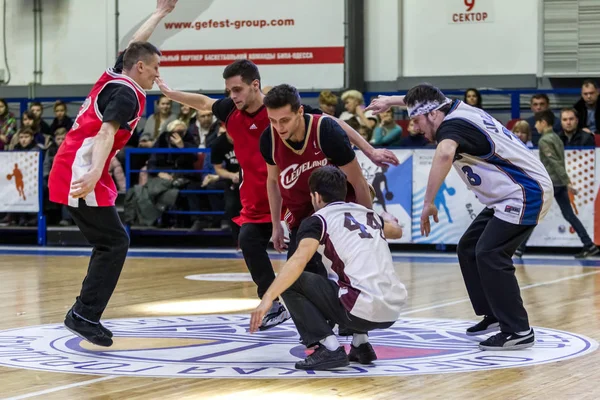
(163, 8)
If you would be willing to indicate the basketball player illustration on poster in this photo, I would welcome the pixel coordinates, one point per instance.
(440, 199)
(378, 180)
(18, 175)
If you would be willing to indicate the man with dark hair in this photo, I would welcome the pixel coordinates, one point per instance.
(552, 155)
(38, 111)
(361, 291)
(539, 102)
(294, 145)
(508, 179)
(79, 177)
(246, 118)
(588, 107)
(570, 134)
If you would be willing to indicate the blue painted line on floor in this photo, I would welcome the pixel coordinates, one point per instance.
(56, 251)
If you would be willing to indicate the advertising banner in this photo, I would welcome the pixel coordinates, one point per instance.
(300, 43)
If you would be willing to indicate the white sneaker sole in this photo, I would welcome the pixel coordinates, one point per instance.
(515, 347)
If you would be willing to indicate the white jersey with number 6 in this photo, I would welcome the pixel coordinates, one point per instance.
(510, 179)
(358, 259)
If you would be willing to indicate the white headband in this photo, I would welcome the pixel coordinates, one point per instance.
(426, 107)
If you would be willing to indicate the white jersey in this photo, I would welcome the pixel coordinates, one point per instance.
(358, 259)
(510, 179)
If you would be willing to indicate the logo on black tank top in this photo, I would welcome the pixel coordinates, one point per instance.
(289, 176)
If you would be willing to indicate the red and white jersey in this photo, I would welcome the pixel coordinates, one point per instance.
(74, 157)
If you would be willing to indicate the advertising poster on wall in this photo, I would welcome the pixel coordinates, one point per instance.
(392, 186)
(457, 206)
(554, 230)
(19, 177)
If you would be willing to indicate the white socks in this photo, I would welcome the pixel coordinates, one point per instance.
(524, 332)
(359, 338)
(330, 342)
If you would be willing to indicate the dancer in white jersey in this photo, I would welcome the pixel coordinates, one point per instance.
(506, 177)
(361, 291)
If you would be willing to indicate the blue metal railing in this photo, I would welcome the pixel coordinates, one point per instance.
(128, 171)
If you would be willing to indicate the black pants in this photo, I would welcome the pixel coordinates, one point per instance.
(315, 264)
(315, 306)
(254, 242)
(103, 229)
(561, 195)
(485, 256)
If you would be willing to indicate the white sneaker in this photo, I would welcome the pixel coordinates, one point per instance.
(276, 315)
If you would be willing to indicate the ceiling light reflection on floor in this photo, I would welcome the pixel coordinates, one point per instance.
(204, 306)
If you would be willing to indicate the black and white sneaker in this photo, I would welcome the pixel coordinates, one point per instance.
(488, 324)
(508, 341)
(588, 252)
(276, 315)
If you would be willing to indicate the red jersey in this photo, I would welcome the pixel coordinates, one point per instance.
(245, 130)
(74, 156)
(296, 167)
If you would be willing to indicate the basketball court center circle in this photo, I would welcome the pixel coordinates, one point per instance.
(219, 346)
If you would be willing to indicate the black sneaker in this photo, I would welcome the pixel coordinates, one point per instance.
(487, 325)
(322, 359)
(106, 331)
(364, 353)
(508, 341)
(588, 251)
(86, 330)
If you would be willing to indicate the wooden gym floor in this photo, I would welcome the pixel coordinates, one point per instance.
(38, 286)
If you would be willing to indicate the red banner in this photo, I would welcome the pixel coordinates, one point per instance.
(278, 56)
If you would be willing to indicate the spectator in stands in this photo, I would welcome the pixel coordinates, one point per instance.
(570, 134)
(388, 132)
(523, 132)
(415, 137)
(588, 108)
(366, 132)
(206, 128)
(354, 102)
(28, 120)
(473, 97)
(227, 168)
(55, 211)
(8, 125)
(539, 102)
(38, 111)
(177, 137)
(157, 122)
(186, 113)
(61, 119)
(140, 161)
(328, 102)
